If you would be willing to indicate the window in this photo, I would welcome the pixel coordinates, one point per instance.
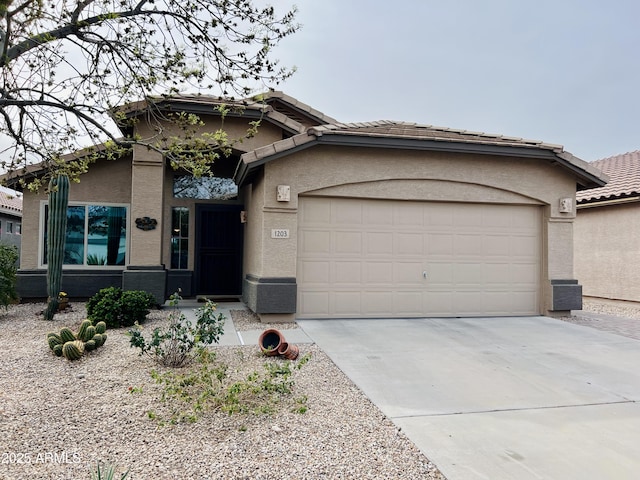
(18, 229)
(204, 188)
(96, 235)
(180, 238)
(9, 227)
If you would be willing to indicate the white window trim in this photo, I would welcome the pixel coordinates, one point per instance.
(41, 263)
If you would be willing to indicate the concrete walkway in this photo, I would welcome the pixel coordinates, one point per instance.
(499, 398)
(231, 335)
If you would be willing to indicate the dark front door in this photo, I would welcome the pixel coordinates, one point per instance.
(218, 250)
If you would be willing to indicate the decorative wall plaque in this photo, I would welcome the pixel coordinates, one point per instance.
(146, 223)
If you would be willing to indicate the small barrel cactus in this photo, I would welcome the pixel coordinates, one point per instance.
(73, 350)
(99, 338)
(58, 350)
(89, 333)
(90, 345)
(54, 339)
(83, 330)
(67, 335)
(101, 327)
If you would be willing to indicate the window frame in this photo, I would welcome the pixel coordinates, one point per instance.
(180, 237)
(126, 206)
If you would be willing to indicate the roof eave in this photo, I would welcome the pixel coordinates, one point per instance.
(586, 178)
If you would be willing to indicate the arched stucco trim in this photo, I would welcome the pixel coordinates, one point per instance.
(427, 190)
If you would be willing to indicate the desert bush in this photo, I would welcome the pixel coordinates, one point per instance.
(118, 308)
(187, 395)
(8, 269)
(176, 345)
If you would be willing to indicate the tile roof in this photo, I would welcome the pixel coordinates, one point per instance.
(386, 133)
(10, 203)
(388, 128)
(624, 178)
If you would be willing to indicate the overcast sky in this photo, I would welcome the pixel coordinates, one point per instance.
(561, 71)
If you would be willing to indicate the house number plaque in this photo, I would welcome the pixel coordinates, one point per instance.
(280, 233)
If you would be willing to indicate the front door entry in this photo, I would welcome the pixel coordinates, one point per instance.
(219, 235)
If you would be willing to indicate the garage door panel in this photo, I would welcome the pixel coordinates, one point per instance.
(439, 244)
(409, 303)
(347, 214)
(347, 273)
(439, 273)
(407, 273)
(378, 273)
(315, 213)
(409, 244)
(315, 272)
(347, 243)
(379, 243)
(314, 241)
(367, 258)
(468, 302)
(468, 274)
(439, 303)
(315, 304)
(408, 215)
(376, 303)
(347, 303)
(496, 245)
(378, 215)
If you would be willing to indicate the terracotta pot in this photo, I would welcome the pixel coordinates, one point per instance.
(283, 348)
(290, 353)
(270, 341)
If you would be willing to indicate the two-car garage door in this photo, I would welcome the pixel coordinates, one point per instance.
(384, 258)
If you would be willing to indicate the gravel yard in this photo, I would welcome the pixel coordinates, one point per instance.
(59, 418)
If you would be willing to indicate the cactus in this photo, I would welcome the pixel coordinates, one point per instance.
(91, 331)
(82, 333)
(54, 340)
(90, 345)
(99, 338)
(67, 335)
(58, 350)
(73, 350)
(56, 234)
(101, 327)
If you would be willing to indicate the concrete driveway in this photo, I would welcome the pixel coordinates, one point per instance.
(499, 398)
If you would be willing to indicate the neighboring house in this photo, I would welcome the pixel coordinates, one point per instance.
(607, 231)
(313, 218)
(10, 219)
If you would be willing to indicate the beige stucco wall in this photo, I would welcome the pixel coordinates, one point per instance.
(235, 128)
(607, 251)
(92, 188)
(153, 248)
(371, 173)
(147, 181)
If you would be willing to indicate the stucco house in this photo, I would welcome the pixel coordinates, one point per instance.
(10, 219)
(313, 218)
(607, 229)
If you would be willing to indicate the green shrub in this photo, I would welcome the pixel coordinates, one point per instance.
(136, 305)
(174, 345)
(8, 269)
(118, 308)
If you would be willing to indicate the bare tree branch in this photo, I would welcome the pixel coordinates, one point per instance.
(65, 65)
